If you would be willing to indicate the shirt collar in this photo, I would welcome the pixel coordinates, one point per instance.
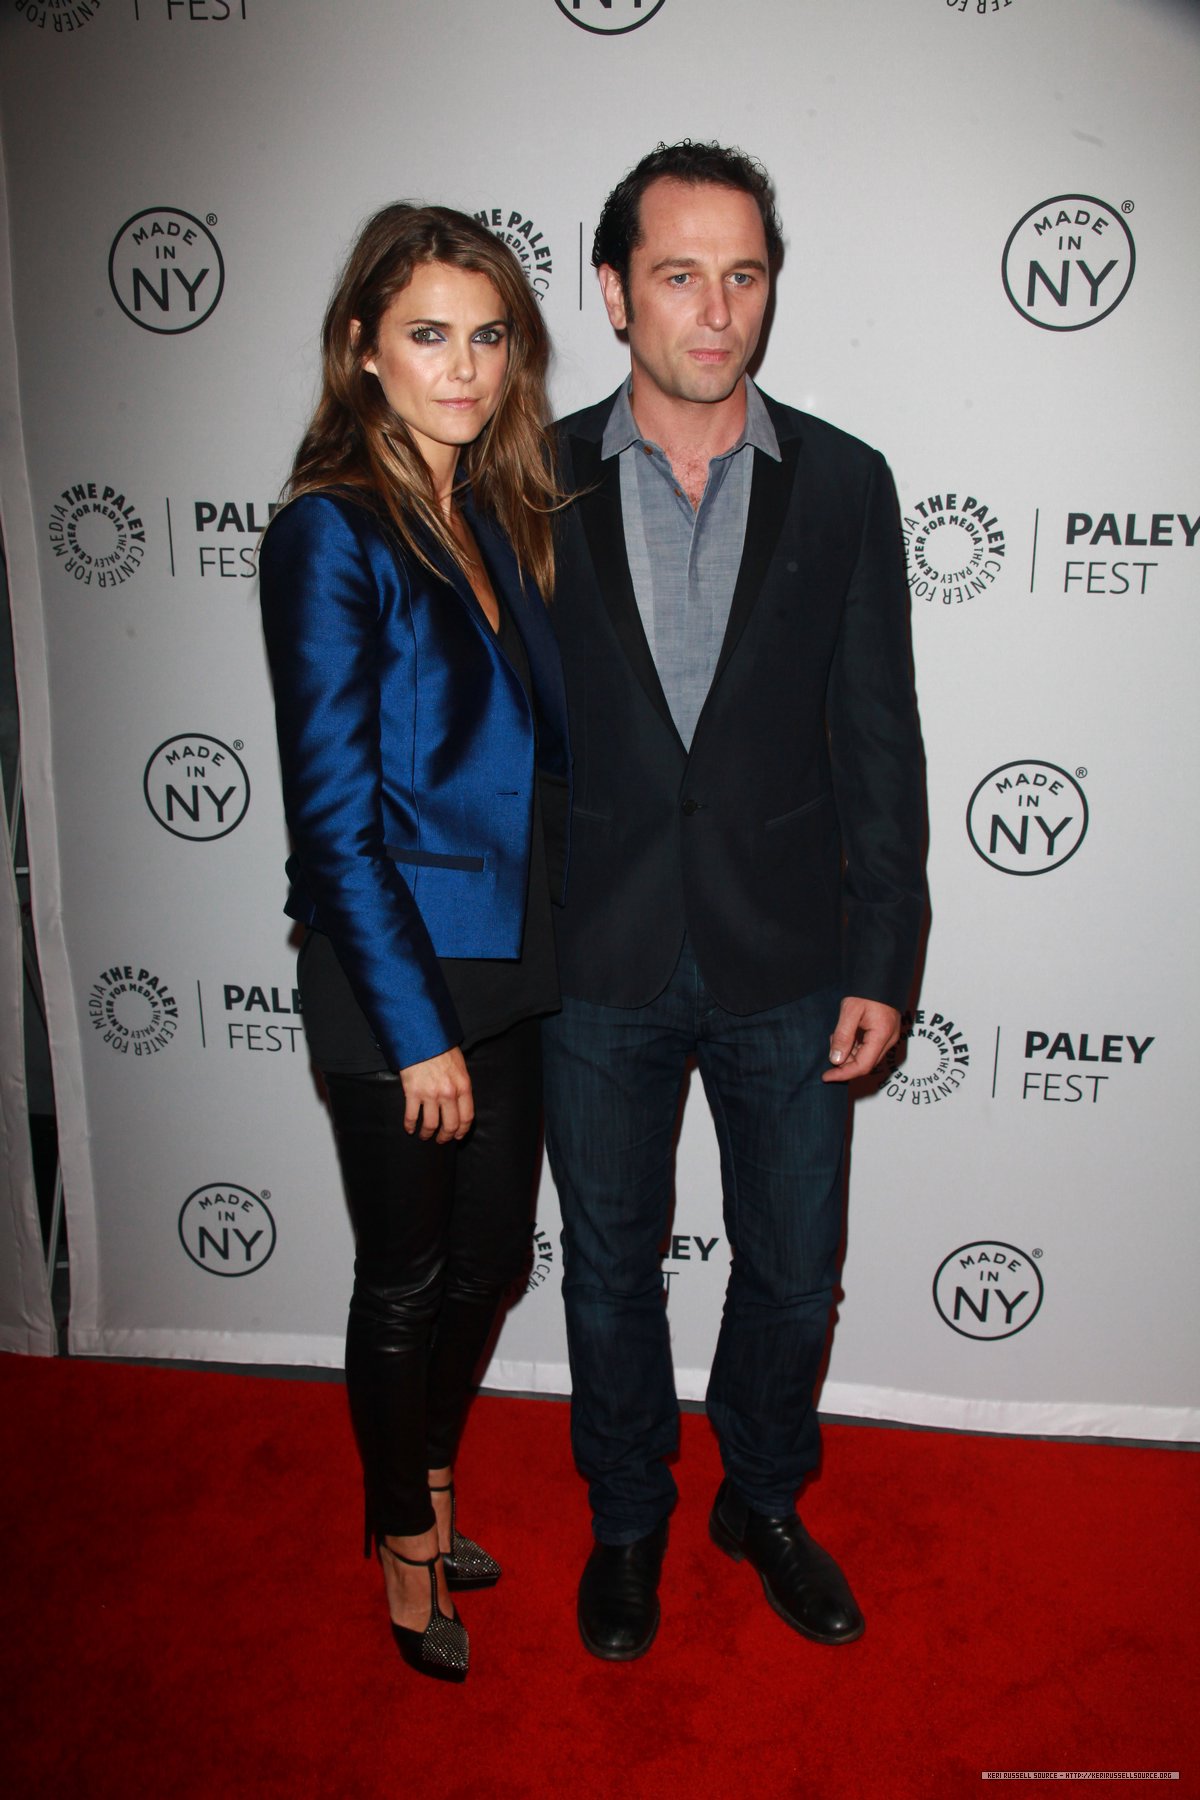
(621, 430)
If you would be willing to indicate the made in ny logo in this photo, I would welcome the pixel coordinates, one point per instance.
(1068, 262)
(955, 547)
(166, 270)
(196, 786)
(525, 240)
(1027, 817)
(96, 534)
(61, 16)
(226, 1229)
(988, 1289)
(609, 18)
(134, 1010)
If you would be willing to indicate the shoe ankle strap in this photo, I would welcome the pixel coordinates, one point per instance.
(414, 1562)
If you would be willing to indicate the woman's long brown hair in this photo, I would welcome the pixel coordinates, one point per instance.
(355, 440)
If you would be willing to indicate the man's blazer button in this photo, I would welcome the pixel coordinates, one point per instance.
(690, 807)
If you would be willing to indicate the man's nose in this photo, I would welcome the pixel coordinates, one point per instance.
(715, 310)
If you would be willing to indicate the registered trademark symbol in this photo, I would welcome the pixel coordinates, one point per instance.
(266, 1195)
(1080, 772)
(211, 218)
(1127, 206)
(1037, 1253)
(238, 745)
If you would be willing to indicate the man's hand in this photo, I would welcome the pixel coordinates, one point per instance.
(438, 1097)
(865, 1031)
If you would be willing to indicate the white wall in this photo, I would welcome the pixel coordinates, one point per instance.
(908, 139)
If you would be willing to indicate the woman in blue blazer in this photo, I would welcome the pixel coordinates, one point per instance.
(423, 747)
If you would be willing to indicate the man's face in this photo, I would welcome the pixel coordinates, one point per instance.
(698, 288)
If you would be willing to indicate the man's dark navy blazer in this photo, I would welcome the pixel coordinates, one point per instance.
(789, 842)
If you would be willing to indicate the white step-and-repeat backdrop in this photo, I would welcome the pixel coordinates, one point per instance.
(991, 273)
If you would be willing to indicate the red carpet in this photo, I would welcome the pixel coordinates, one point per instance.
(186, 1613)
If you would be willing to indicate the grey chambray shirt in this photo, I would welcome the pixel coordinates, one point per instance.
(684, 564)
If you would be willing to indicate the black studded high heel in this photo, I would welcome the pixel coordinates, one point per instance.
(442, 1650)
(466, 1565)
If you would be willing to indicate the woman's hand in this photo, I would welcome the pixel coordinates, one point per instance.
(438, 1097)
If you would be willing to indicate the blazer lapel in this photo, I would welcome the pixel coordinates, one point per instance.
(599, 508)
(528, 612)
(770, 491)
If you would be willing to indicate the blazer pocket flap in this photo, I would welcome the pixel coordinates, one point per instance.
(433, 859)
(797, 812)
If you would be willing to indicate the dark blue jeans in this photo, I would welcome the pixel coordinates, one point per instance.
(612, 1083)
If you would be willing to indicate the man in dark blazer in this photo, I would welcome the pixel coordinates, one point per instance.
(746, 882)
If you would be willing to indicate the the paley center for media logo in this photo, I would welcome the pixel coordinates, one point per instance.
(133, 1009)
(527, 241)
(97, 533)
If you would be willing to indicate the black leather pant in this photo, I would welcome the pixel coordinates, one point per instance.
(440, 1231)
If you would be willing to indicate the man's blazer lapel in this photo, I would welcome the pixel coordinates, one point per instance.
(770, 493)
(599, 508)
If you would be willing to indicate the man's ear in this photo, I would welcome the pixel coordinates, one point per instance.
(613, 290)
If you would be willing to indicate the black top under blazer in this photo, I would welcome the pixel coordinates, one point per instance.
(789, 842)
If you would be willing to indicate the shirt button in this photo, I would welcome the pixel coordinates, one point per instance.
(690, 807)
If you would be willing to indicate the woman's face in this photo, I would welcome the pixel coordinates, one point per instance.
(441, 358)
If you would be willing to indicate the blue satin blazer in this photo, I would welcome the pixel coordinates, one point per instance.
(407, 748)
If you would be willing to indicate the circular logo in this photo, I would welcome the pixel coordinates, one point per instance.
(936, 1059)
(166, 270)
(97, 534)
(134, 1011)
(226, 1229)
(609, 18)
(987, 1289)
(61, 16)
(516, 229)
(1027, 817)
(955, 548)
(1068, 262)
(196, 787)
(538, 1264)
